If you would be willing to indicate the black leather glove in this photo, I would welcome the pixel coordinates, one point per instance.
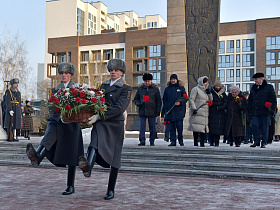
(207, 91)
(194, 112)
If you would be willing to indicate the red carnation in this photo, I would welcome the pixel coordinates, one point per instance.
(164, 123)
(146, 99)
(100, 109)
(210, 103)
(52, 94)
(67, 107)
(102, 99)
(78, 99)
(84, 101)
(185, 96)
(82, 94)
(71, 89)
(64, 92)
(56, 101)
(60, 91)
(98, 93)
(56, 110)
(268, 104)
(75, 92)
(93, 100)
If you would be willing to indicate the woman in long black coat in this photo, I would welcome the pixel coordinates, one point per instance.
(217, 113)
(236, 116)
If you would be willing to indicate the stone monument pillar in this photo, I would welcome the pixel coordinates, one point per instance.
(202, 35)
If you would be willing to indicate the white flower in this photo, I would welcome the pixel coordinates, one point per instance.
(92, 93)
(85, 86)
(67, 94)
(67, 89)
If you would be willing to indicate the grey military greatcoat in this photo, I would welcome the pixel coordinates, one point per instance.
(63, 141)
(107, 134)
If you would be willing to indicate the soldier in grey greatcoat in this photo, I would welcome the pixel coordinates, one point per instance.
(107, 134)
(12, 100)
(62, 143)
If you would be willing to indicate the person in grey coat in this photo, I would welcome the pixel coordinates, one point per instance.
(199, 110)
(12, 100)
(107, 134)
(62, 143)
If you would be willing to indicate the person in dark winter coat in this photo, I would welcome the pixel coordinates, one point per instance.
(174, 104)
(248, 137)
(260, 94)
(148, 100)
(27, 120)
(236, 116)
(12, 99)
(107, 134)
(62, 143)
(217, 113)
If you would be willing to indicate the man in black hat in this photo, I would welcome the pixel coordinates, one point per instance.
(62, 143)
(148, 100)
(260, 94)
(12, 100)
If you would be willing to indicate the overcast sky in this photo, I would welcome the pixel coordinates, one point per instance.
(27, 17)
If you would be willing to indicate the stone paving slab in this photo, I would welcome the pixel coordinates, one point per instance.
(39, 188)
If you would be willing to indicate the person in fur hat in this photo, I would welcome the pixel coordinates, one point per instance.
(217, 113)
(148, 100)
(62, 143)
(12, 100)
(107, 134)
(175, 96)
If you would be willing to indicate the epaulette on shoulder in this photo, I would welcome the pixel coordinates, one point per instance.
(127, 84)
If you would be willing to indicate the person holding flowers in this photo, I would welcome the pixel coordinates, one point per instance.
(236, 116)
(174, 105)
(261, 93)
(200, 100)
(217, 113)
(148, 101)
(62, 143)
(107, 134)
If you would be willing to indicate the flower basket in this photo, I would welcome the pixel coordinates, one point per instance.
(78, 117)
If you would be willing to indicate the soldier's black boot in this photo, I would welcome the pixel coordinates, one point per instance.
(112, 183)
(86, 164)
(70, 181)
(36, 157)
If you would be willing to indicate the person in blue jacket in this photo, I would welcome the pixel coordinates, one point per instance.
(174, 104)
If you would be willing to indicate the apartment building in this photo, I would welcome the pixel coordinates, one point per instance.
(79, 18)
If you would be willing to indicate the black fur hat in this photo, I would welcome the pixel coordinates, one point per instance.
(66, 68)
(117, 64)
(147, 76)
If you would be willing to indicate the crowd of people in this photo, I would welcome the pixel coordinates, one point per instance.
(240, 117)
(15, 117)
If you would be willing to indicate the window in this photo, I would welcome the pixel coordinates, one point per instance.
(84, 56)
(139, 80)
(144, 25)
(158, 77)
(247, 75)
(246, 87)
(96, 55)
(161, 64)
(83, 69)
(237, 60)
(226, 61)
(237, 45)
(230, 46)
(155, 50)
(61, 57)
(139, 66)
(273, 42)
(108, 54)
(152, 64)
(155, 24)
(80, 22)
(248, 60)
(248, 45)
(120, 53)
(230, 75)
(237, 75)
(69, 56)
(278, 89)
(221, 75)
(270, 58)
(222, 47)
(278, 57)
(140, 53)
(149, 24)
(273, 73)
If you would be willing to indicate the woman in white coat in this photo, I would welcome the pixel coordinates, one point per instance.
(199, 110)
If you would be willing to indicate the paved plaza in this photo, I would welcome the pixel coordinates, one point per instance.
(41, 188)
